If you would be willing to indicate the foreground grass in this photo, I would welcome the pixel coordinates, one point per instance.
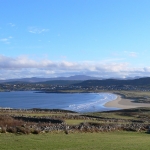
(76, 141)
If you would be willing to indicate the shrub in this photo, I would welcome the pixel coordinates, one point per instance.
(12, 129)
(36, 131)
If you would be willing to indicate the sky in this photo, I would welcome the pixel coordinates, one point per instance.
(53, 38)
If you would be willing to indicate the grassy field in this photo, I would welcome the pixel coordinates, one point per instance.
(76, 141)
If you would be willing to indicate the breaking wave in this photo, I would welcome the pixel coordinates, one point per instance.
(96, 104)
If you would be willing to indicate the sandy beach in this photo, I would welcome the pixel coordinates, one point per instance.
(124, 103)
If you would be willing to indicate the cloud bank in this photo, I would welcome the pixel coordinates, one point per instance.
(21, 67)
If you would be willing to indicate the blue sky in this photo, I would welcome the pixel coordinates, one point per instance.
(51, 38)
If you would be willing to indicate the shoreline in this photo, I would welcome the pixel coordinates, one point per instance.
(123, 103)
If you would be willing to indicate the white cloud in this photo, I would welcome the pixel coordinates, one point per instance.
(6, 40)
(25, 67)
(12, 24)
(131, 54)
(36, 30)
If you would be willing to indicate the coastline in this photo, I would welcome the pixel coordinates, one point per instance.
(122, 103)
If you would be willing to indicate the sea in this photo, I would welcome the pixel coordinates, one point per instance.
(78, 102)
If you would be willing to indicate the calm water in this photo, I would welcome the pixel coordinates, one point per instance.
(80, 102)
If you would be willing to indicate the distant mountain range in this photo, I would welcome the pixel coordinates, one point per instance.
(109, 82)
(81, 80)
(35, 79)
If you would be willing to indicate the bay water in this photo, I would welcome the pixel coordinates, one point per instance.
(79, 102)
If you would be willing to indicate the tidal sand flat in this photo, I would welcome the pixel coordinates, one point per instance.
(122, 103)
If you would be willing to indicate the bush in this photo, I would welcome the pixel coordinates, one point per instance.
(12, 130)
(3, 130)
(36, 131)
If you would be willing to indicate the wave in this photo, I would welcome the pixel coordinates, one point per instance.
(96, 105)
